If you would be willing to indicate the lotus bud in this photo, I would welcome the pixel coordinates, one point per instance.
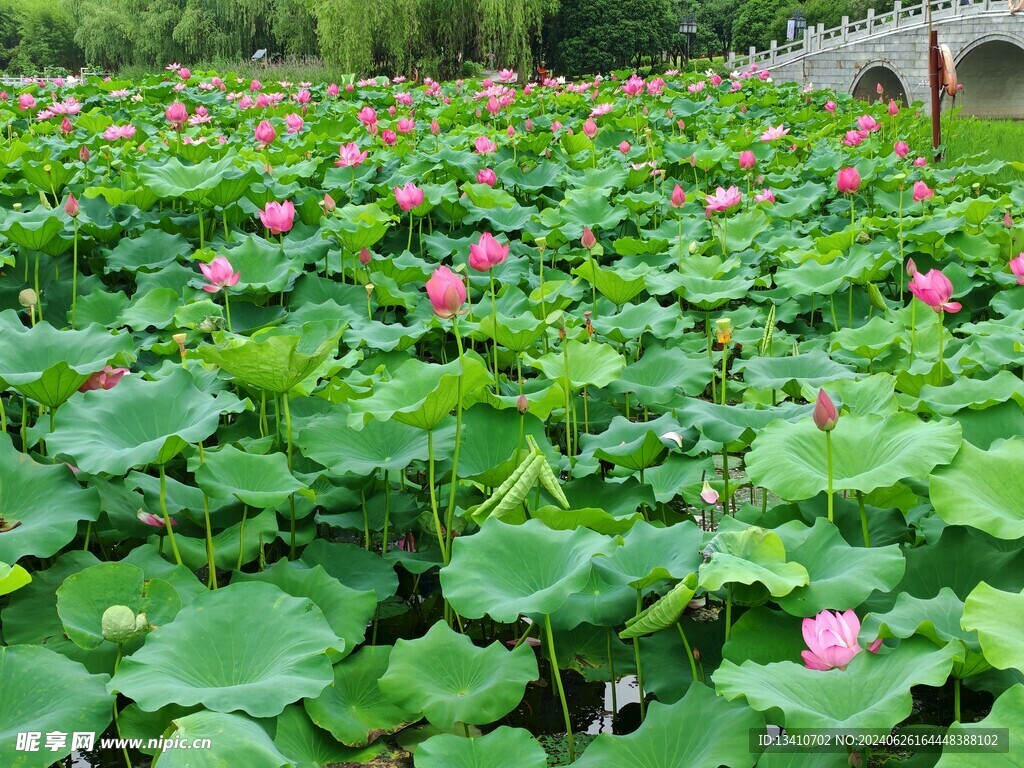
(329, 204)
(365, 256)
(84, 154)
(28, 298)
(71, 207)
(522, 404)
(587, 240)
(911, 268)
(825, 414)
(696, 654)
(693, 247)
(118, 624)
(561, 333)
(723, 330)
(1007, 220)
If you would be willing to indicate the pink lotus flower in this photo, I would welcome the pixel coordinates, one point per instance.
(71, 207)
(774, 133)
(747, 160)
(388, 137)
(587, 239)
(624, 147)
(115, 132)
(922, 192)
(868, 123)
(901, 149)
(294, 122)
(332, 89)
(848, 181)
(349, 155)
(105, 379)
(26, 101)
(177, 115)
(486, 176)
(633, 86)
(764, 196)
(831, 638)
(367, 116)
(695, 87)
(66, 126)
(278, 217)
(935, 290)
(1017, 267)
(590, 128)
(408, 197)
(709, 494)
(853, 138)
(405, 125)
(150, 519)
(484, 146)
(487, 253)
(265, 133)
(830, 106)
(446, 292)
(219, 274)
(722, 200)
(894, 108)
(507, 75)
(920, 162)
(255, 85)
(678, 197)
(825, 414)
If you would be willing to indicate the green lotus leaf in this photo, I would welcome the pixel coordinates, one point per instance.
(751, 556)
(150, 251)
(141, 422)
(590, 365)
(505, 571)
(450, 680)
(271, 650)
(44, 692)
(249, 536)
(33, 229)
(811, 369)
(1007, 712)
(230, 736)
(977, 394)
(264, 267)
(84, 597)
(763, 635)
(259, 481)
(275, 362)
(354, 709)
(40, 505)
(633, 445)
(311, 747)
(657, 378)
(650, 554)
(348, 611)
(353, 566)
(663, 614)
(841, 576)
(733, 424)
(358, 226)
(171, 178)
(49, 366)
(600, 603)
(868, 452)
(420, 394)
(389, 445)
(619, 286)
(874, 691)
(978, 489)
(672, 736)
(503, 747)
(998, 619)
(13, 577)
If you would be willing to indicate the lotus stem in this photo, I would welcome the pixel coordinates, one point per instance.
(202, 234)
(725, 361)
(611, 674)
(88, 535)
(167, 517)
(728, 611)
(227, 309)
(450, 512)
(227, 232)
(828, 459)
(494, 316)
(956, 699)
(942, 317)
(74, 276)
(863, 520)
(902, 261)
(639, 664)
(560, 687)
(291, 497)
(387, 513)
(433, 495)
(689, 651)
(726, 507)
(913, 325)
(408, 245)
(39, 296)
(211, 581)
(568, 405)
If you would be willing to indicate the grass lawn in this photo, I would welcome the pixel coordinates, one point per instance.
(1000, 139)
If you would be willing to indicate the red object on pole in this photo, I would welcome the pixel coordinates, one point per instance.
(936, 85)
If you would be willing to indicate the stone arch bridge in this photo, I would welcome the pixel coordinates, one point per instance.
(892, 49)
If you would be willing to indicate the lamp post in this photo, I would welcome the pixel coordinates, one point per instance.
(688, 28)
(796, 27)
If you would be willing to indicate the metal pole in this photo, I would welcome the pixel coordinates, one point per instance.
(933, 75)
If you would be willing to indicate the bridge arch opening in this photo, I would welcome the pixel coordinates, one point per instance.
(865, 87)
(990, 70)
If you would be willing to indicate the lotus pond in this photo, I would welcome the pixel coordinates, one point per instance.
(450, 425)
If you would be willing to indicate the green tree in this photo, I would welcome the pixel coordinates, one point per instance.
(756, 23)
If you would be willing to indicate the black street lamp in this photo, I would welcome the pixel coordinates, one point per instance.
(688, 27)
(797, 26)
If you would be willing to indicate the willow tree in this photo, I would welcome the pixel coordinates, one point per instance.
(509, 29)
(365, 35)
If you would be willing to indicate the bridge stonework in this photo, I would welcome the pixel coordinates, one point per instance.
(892, 49)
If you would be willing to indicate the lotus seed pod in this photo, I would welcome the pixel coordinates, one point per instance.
(28, 298)
(118, 624)
(693, 247)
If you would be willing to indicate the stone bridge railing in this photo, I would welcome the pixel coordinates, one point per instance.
(818, 39)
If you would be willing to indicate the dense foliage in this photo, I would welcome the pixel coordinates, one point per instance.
(341, 420)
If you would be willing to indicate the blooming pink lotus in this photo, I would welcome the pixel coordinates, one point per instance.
(484, 146)
(349, 155)
(294, 122)
(678, 197)
(765, 196)
(405, 125)
(920, 162)
(265, 133)
(487, 253)
(150, 519)
(722, 200)
(868, 123)
(709, 494)
(853, 138)
(278, 217)
(901, 149)
(830, 106)
(105, 379)
(446, 292)
(825, 414)
(367, 116)
(115, 132)
(408, 196)
(177, 115)
(747, 160)
(26, 101)
(935, 290)
(922, 192)
(774, 133)
(220, 274)
(831, 638)
(1017, 267)
(848, 181)
(486, 176)
(389, 137)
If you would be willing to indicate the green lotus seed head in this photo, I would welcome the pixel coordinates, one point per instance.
(141, 623)
(118, 624)
(693, 247)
